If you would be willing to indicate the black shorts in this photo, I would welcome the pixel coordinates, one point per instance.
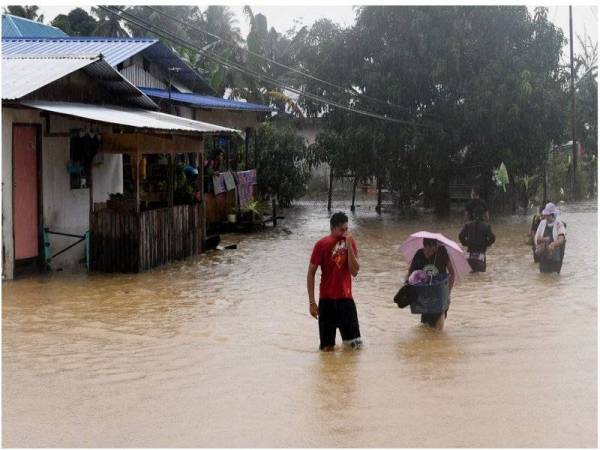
(477, 262)
(339, 313)
(431, 319)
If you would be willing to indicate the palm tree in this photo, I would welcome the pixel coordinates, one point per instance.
(108, 24)
(221, 21)
(588, 60)
(25, 11)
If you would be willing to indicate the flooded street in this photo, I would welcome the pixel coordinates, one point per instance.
(220, 351)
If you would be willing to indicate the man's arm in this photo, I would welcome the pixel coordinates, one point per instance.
(491, 236)
(462, 236)
(310, 286)
(560, 239)
(352, 259)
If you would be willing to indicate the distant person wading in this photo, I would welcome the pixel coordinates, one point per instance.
(477, 236)
(550, 240)
(476, 203)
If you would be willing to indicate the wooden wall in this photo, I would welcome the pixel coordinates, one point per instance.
(218, 206)
(129, 242)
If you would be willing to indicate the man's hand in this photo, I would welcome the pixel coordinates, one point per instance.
(352, 260)
(314, 310)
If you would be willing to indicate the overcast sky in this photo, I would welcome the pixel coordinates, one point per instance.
(585, 15)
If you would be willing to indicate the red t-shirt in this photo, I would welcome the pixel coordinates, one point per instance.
(332, 255)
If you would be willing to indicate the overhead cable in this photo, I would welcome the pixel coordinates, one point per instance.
(124, 15)
(349, 91)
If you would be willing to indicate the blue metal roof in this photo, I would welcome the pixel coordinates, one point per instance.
(205, 101)
(114, 51)
(14, 26)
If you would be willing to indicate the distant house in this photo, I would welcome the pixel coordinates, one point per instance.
(16, 27)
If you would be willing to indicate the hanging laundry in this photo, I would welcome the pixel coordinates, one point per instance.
(229, 181)
(246, 179)
(219, 184)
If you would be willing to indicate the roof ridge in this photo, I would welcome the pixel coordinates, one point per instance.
(80, 38)
(52, 56)
(12, 23)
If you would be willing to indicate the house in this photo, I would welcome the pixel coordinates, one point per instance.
(175, 87)
(16, 27)
(67, 122)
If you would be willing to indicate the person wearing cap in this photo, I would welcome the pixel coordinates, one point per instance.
(550, 240)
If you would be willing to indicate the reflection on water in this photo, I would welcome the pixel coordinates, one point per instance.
(219, 350)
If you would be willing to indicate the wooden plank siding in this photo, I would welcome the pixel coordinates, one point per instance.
(128, 242)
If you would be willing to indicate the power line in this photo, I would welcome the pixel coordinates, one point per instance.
(349, 91)
(124, 15)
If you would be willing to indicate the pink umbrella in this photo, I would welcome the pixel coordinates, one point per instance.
(455, 252)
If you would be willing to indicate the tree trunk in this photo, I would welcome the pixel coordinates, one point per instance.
(378, 207)
(545, 190)
(330, 193)
(441, 199)
(353, 207)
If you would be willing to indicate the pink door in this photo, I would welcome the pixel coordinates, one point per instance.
(25, 191)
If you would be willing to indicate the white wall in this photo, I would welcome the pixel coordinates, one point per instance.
(65, 210)
(319, 174)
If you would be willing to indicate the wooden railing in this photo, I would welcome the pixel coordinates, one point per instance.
(130, 242)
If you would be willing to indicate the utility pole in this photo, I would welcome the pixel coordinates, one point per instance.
(574, 157)
(169, 70)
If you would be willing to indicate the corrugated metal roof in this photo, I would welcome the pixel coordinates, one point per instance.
(206, 101)
(14, 27)
(114, 51)
(132, 117)
(24, 74)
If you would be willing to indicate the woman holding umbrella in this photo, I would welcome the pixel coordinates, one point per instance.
(437, 254)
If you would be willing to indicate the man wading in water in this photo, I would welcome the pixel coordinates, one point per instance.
(337, 256)
(477, 236)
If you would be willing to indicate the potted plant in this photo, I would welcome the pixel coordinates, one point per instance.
(254, 210)
(232, 216)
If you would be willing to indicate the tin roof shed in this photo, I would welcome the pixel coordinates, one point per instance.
(114, 51)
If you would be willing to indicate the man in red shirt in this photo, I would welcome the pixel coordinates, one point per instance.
(337, 255)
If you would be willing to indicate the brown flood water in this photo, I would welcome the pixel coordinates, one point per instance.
(220, 351)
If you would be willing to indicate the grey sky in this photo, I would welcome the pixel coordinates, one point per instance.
(585, 17)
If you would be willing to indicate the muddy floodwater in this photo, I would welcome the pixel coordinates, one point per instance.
(219, 350)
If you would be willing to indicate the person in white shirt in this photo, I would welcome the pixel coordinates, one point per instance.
(550, 239)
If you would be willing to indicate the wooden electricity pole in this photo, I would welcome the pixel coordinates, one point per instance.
(574, 157)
